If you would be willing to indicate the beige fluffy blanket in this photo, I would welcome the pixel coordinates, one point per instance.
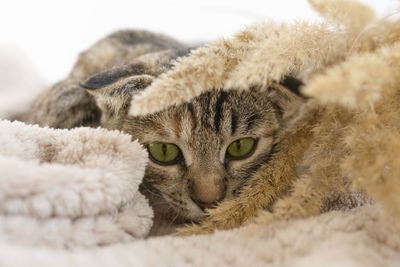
(69, 198)
(334, 239)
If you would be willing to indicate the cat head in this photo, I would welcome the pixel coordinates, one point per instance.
(202, 152)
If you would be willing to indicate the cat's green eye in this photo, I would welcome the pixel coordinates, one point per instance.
(163, 152)
(241, 147)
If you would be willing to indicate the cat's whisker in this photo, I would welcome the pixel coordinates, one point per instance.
(153, 192)
(173, 219)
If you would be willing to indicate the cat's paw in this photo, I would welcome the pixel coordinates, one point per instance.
(230, 214)
(227, 216)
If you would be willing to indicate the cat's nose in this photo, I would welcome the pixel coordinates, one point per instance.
(207, 191)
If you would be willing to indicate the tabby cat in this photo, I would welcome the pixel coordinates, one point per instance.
(203, 152)
(214, 160)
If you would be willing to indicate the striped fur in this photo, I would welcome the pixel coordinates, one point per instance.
(99, 92)
(124, 61)
(203, 129)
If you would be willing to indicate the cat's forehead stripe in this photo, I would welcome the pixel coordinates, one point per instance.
(219, 109)
(219, 114)
(252, 121)
(234, 122)
(193, 116)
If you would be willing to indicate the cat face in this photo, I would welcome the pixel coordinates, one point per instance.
(205, 151)
(202, 152)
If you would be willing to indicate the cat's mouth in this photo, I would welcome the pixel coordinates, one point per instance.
(197, 213)
(205, 206)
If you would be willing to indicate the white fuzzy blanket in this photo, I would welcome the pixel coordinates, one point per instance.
(69, 198)
(70, 188)
(65, 189)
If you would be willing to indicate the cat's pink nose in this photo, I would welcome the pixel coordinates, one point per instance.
(207, 191)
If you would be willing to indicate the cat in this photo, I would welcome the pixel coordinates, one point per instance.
(135, 54)
(204, 152)
(214, 161)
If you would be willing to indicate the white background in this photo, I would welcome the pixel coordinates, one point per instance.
(48, 35)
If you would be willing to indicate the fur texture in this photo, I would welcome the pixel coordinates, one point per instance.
(349, 66)
(333, 239)
(315, 139)
(134, 57)
(371, 82)
(301, 49)
(204, 175)
(68, 189)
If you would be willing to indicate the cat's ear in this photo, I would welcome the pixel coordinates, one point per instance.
(287, 92)
(113, 89)
(287, 96)
(292, 84)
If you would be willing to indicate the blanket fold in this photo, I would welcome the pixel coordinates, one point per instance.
(70, 188)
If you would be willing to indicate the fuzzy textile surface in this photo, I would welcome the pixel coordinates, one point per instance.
(70, 197)
(70, 188)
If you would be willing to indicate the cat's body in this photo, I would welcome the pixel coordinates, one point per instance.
(204, 181)
(124, 54)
